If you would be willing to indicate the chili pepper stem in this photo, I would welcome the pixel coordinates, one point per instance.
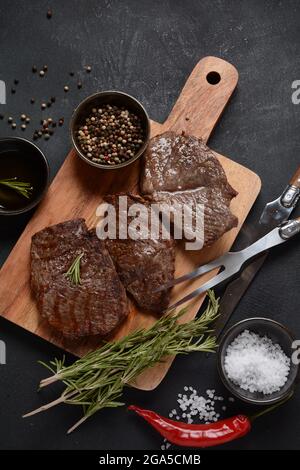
(270, 408)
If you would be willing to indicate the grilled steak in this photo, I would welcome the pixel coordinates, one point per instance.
(218, 218)
(143, 264)
(179, 168)
(95, 306)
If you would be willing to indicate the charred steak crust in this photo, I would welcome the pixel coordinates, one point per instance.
(143, 265)
(180, 168)
(94, 307)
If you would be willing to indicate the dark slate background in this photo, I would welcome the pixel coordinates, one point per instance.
(148, 49)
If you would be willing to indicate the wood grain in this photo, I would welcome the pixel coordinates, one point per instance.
(78, 188)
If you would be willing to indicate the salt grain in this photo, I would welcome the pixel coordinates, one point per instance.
(256, 364)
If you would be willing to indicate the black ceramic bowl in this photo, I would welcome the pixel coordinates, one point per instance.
(21, 159)
(97, 100)
(278, 334)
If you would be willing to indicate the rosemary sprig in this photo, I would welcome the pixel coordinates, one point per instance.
(73, 273)
(25, 189)
(97, 380)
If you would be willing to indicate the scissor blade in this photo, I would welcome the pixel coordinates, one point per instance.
(208, 285)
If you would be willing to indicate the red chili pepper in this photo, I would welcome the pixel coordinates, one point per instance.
(201, 435)
(196, 435)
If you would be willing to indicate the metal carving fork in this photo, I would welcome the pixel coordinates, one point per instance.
(232, 262)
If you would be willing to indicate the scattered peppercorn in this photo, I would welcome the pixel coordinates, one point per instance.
(53, 124)
(16, 82)
(47, 136)
(13, 91)
(40, 133)
(49, 14)
(23, 127)
(49, 104)
(27, 120)
(32, 101)
(49, 120)
(43, 106)
(10, 119)
(61, 121)
(52, 99)
(71, 74)
(45, 68)
(88, 68)
(42, 73)
(1, 116)
(51, 132)
(14, 125)
(110, 135)
(66, 88)
(79, 84)
(34, 69)
(23, 117)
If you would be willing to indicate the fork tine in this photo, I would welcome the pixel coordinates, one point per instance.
(217, 263)
(208, 285)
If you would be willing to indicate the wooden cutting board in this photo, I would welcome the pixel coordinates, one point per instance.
(78, 188)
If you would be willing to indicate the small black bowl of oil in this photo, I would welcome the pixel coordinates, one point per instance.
(24, 175)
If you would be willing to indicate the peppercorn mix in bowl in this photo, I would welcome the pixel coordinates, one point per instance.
(110, 129)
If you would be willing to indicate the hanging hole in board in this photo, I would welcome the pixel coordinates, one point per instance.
(213, 78)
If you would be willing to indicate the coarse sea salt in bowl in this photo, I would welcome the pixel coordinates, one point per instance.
(255, 361)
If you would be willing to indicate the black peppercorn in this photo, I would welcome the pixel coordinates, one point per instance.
(52, 99)
(49, 14)
(32, 100)
(79, 85)
(34, 69)
(16, 82)
(110, 135)
(13, 91)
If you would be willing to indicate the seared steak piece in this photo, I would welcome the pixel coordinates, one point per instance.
(218, 218)
(143, 265)
(180, 168)
(94, 307)
(52, 249)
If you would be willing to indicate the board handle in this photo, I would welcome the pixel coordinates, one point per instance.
(203, 98)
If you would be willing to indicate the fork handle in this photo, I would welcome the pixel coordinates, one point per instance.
(295, 180)
(291, 193)
(290, 229)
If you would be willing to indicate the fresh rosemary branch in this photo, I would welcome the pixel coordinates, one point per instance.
(25, 189)
(73, 273)
(97, 380)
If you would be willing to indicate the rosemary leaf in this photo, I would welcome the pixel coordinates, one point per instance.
(97, 380)
(25, 189)
(73, 273)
